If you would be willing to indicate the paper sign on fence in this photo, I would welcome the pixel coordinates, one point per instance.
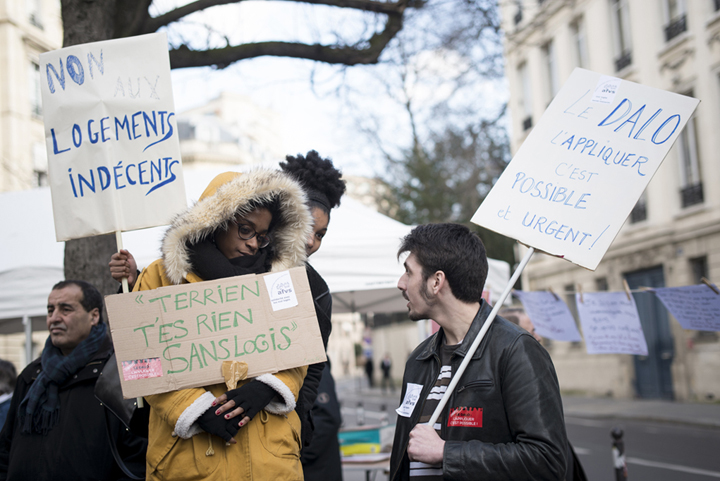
(611, 323)
(178, 337)
(550, 315)
(112, 141)
(579, 173)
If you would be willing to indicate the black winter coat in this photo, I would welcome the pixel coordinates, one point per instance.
(512, 380)
(309, 391)
(77, 448)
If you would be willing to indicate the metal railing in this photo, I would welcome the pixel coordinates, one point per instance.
(675, 28)
(692, 194)
(623, 61)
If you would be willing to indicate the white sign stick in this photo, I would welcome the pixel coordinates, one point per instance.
(478, 339)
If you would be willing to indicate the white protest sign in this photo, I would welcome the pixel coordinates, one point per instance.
(695, 307)
(112, 142)
(611, 324)
(550, 315)
(579, 173)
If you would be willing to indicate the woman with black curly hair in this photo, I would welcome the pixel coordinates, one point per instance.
(321, 420)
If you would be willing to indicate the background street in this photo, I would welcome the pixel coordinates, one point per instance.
(664, 441)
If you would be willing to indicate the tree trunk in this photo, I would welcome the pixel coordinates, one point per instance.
(87, 259)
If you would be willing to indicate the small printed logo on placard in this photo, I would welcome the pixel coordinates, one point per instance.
(142, 369)
(281, 290)
(606, 89)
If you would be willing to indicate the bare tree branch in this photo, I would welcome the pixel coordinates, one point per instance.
(388, 8)
(183, 56)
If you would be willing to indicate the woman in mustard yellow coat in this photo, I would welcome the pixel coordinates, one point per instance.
(243, 223)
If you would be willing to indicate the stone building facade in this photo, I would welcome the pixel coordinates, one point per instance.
(27, 29)
(672, 237)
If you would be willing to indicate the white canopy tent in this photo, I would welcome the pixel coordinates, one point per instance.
(357, 259)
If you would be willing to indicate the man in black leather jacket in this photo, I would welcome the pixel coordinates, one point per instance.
(505, 419)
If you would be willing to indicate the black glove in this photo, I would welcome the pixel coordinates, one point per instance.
(252, 397)
(218, 425)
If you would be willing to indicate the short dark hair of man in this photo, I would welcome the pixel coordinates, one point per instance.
(91, 298)
(453, 249)
(8, 376)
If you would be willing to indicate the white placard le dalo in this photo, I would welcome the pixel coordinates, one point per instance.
(550, 315)
(112, 141)
(610, 323)
(579, 173)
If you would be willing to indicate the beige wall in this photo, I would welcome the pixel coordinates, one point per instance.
(21, 130)
(671, 235)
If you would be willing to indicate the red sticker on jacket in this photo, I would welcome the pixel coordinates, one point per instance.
(142, 369)
(465, 417)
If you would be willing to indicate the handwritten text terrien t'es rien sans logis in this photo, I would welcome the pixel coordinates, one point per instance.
(202, 350)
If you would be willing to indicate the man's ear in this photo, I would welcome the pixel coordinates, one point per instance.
(94, 316)
(438, 281)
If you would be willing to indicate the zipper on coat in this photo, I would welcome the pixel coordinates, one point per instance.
(414, 422)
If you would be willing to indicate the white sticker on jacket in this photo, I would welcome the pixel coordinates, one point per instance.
(412, 395)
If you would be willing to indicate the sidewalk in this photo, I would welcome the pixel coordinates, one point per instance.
(696, 414)
(352, 391)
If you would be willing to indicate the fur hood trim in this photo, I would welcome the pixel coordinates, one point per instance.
(228, 195)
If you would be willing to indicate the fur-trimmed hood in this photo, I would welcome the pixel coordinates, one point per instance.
(229, 194)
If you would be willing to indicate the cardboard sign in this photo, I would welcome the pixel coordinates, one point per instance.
(579, 173)
(178, 337)
(550, 315)
(695, 307)
(112, 142)
(611, 324)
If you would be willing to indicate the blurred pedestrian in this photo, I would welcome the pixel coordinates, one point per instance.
(369, 370)
(386, 367)
(519, 317)
(66, 420)
(8, 377)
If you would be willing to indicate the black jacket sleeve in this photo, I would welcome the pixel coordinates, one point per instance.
(6, 436)
(534, 413)
(308, 392)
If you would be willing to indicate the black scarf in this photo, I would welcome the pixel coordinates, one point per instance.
(209, 263)
(39, 411)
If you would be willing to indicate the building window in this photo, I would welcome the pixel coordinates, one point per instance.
(601, 284)
(551, 80)
(34, 86)
(40, 164)
(675, 18)
(639, 212)
(717, 5)
(620, 19)
(698, 271)
(33, 12)
(526, 95)
(691, 188)
(579, 40)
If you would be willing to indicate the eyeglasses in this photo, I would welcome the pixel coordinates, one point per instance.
(246, 232)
